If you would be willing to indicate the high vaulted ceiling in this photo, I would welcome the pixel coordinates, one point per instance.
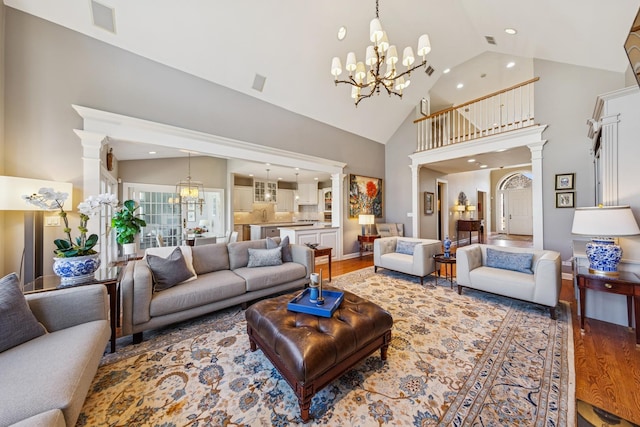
(291, 43)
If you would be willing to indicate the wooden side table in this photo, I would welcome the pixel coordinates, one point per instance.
(109, 277)
(626, 283)
(323, 251)
(366, 239)
(448, 262)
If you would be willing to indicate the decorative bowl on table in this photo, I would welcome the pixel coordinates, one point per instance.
(312, 245)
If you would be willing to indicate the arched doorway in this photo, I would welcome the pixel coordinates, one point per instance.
(515, 204)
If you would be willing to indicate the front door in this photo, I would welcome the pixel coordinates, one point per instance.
(519, 211)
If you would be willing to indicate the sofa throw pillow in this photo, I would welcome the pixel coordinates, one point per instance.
(514, 261)
(165, 251)
(265, 257)
(19, 325)
(284, 244)
(168, 272)
(406, 247)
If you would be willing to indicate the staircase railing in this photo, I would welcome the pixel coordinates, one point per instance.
(501, 111)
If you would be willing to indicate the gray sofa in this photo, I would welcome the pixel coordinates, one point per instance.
(542, 286)
(44, 381)
(419, 262)
(223, 280)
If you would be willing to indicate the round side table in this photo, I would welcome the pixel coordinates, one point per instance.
(448, 262)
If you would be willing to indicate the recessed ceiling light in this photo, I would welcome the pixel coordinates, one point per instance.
(501, 150)
(483, 166)
(510, 31)
(250, 174)
(460, 86)
(511, 64)
(267, 164)
(316, 178)
(471, 160)
(342, 33)
(153, 152)
(297, 169)
(446, 71)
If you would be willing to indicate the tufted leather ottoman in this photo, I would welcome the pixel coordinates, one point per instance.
(311, 351)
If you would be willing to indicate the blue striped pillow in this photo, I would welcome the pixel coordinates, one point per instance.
(513, 261)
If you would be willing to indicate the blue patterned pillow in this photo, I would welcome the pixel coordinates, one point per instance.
(520, 262)
(405, 247)
(265, 257)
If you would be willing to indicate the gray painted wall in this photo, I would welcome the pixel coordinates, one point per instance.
(49, 67)
(564, 98)
(398, 177)
(3, 155)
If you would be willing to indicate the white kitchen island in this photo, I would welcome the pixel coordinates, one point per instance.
(324, 236)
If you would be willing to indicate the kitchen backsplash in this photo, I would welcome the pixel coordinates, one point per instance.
(266, 212)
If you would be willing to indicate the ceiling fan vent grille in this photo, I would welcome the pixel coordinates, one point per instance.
(103, 16)
(429, 70)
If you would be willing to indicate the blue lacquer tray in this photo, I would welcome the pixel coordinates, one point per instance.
(301, 304)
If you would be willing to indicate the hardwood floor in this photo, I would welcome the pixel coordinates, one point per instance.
(607, 361)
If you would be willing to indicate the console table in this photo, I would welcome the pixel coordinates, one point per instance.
(626, 283)
(470, 225)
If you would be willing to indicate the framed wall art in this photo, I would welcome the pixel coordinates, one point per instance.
(365, 196)
(191, 216)
(565, 199)
(428, 203)
(565, 181)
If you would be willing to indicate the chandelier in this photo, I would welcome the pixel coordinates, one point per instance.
(189, 192)
(381, 58)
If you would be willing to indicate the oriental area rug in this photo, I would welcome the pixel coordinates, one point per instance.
(474, 359)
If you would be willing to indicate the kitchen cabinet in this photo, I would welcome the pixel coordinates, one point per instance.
(242, 198)
(264, 191)
(285, 200)
(239, 229)
(324, 236)
(262, 232)
(308, 194)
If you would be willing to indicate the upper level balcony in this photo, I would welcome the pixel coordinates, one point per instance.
(502, 111)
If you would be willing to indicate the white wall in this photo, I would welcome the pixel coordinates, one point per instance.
(469, 183)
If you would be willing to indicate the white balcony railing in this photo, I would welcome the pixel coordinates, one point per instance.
(502, 111)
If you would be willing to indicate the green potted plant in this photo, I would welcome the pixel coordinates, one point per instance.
(127, 225)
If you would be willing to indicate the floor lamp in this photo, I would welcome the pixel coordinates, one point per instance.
(12, 189)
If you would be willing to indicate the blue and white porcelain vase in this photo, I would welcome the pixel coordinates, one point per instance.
(76, 270)
(447, 247)
(604, 256)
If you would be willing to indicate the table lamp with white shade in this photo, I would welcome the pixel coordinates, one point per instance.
(366, 219)
(605, 223)
(471, 209)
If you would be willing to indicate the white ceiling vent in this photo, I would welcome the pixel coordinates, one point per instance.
(258, 82)
(490, 40)
(103, 16)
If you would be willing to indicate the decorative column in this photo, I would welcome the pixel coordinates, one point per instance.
(537, 184)
(415, 199)
(609, 159)
(337, 208)
(91, 148)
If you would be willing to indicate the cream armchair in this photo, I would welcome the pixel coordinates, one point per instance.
(406, 255)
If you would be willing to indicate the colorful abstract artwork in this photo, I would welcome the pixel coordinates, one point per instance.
(365, 196)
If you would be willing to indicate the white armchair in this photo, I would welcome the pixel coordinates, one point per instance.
(406, 255)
